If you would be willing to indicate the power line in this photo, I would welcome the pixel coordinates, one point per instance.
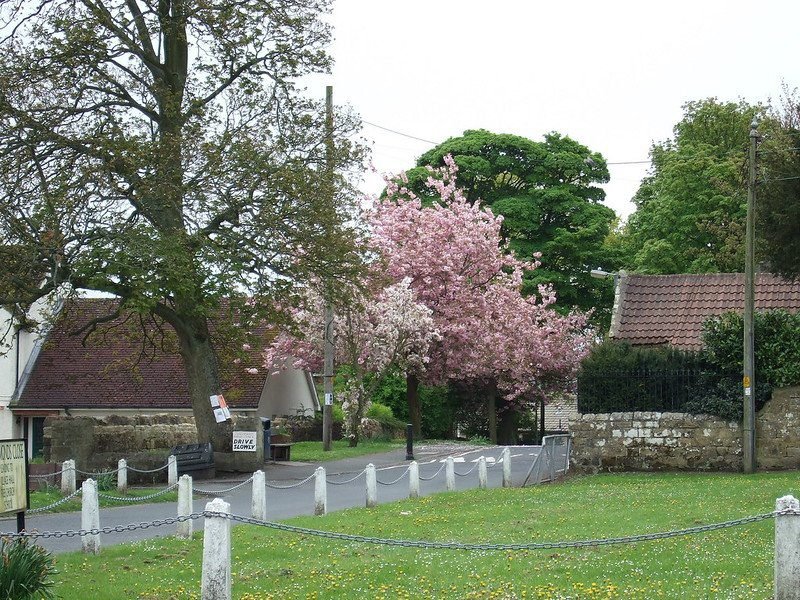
(419, 139)
(413, 137)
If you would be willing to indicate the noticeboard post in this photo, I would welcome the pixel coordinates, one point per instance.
(14, 496)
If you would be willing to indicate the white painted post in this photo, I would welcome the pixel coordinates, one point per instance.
(122, 476)
(172, 470)
(320, 492)
(506, 467)
(372, 486)
(90, 516)
(259, 504)
(185, 502)
(413, 480)
(216, 578)
(787, 550)
(482, 472)
(450, 474)
(68, 477)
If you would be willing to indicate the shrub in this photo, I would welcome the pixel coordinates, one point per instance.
(776, 340)
(26, 570)
(618, 377)
(384, 415)
(337, 413)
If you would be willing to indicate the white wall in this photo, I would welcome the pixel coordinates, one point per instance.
(10, 371)
(287, 394)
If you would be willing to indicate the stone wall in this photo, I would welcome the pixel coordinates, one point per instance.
(644, 441)
(97, 444)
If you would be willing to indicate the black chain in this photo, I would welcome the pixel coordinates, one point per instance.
(408, 543)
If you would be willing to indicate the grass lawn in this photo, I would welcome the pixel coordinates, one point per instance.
(313, 452)
(731, 563)
(53, 494)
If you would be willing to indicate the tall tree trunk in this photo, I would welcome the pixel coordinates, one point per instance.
(507, 431)
(491, 409)
(202, 377)
(414, 409)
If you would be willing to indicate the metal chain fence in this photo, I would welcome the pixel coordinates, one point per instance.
(138, 498)
(411, 543)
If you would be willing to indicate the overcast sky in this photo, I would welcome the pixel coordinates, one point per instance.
(612, 75)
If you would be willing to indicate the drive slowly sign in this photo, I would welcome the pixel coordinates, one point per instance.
(13, 476)
(244, 441)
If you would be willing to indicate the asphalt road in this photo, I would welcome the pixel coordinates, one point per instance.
(294, 501)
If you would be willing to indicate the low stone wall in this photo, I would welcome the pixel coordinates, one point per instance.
(97, 444)
(645, 441)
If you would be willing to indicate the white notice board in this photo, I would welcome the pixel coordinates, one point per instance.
(13, 476)
(244, 441)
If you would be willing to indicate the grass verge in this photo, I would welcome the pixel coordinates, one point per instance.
(313, 452)
(268, 564)
(48, 496)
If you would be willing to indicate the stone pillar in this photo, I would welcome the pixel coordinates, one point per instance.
(320, 492)
(450, 474)
(122, 476)
(413, 480)
(185, 508)
(506, 467)
(787, 550)
(90, 516)
(372, 486)
(259, 504)
(172, 470)
(68, 477)
(482, 473)
(216, 578)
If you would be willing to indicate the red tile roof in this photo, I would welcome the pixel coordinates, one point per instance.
(670, 309)
(108, 373)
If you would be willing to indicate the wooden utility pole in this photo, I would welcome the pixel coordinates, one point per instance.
(327, 373)
(748, 382)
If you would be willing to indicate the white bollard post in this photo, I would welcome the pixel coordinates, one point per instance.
(320, 492)
(216, 578)
(90, 516)
(185, 507)
(482, 472)
(413, 480)
(372, 486)
(122, 476)
(259, 504)
(68, 477)
(172, 470)
(450, 474)
(787, 550)
(506, 467)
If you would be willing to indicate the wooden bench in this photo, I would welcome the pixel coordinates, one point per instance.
(281, 452)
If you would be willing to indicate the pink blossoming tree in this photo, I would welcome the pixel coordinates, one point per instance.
(459, 267)
(374, 334)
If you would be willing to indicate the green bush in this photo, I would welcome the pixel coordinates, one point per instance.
(618, 377)
(384, 415)
(776, 341)
(26, 570)
(337, 413)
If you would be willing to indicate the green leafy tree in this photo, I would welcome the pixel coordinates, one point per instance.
(691, 208)
(160, 152)
(548, 195)
(778, 193)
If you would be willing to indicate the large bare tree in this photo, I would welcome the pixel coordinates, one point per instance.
(160, 151)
